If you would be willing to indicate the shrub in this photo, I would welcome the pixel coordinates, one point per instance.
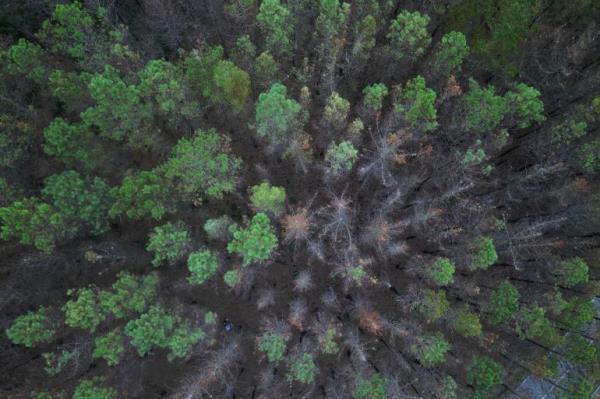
(169, 242)
(232, 278)
(302, 369)
(273, 345)
(109, 347)
(267, 198)
(503, 303)
(203, 165)
(202, 265)
(217, 228)
(327, 341)
(256, 241)
(442, 271)
(430, 350)
(485, 253)
(32, 328)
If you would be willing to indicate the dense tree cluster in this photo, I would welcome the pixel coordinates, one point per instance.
(324, 199)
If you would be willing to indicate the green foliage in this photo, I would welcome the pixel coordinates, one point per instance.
(590, 156)
(182, 340)
(433, 304)
(232, 85)
(484, 254)
(265, 197)
(202, 265)
(256, 241)
(417, 102)
(13, 137)
(244, 52)
(142, 194)
(265, 68)
(372, 388)
(408, 35)
(450, 53)
(274, 22)
(109, 347)
(430, 349)
(442, 271)
(484, 109)
(573, 271)
(578, 388)
(90, 388)
(78, 201)
(70, 88)
(129, 294)
(199, 68)
(56, 361)
(84, 310)
(273, 345)
(203, 165)
(119, 113)
(210, 318)
(474, 156)
(151, 329)
(327, 341)
(466, 323)
(47, 395)
(580, 351)
(503, 303)
(32, 328)
(276, 115)
(483, 373)
(336, 111)
(26, 59)
(341, 157)
(531, 323)
(373, 96)
(169, 242)
(331, 22)
(217, 228)
(526, 105)
(302, 369)
(69, 142)
(232, 278)
(356, 273)
(578, 313)
(33, 222)
(162, 83)
(364, 38)
(568, 131)
(448, 387)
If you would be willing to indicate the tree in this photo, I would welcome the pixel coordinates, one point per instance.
(372, 388)
(232, 85)
(484, 253)
(373, 96)
(365, 32)
(466, 323)
(331, 26)
(91, 388)
(26, 59)
(202, 265)
(341, 157)
(143, 194)
(265, 197)
(202, 166)
(276, 115)
(589, 154)
(484, 109)
(244, 52)
(433, 304)
(130, 294)
(525, 104)
(302, 369)
(531, 323)
(71, 143)
(275, 24)
(70, 88)
(84, 310)
(430, 349)
(580, 351)
(32, 328)
(408, 35)
(450, 52)
(119, 113)
(442, 271)
(568, 131)
(109, 347)
(578, 313)
(182, 340)
(169, 242)
(14, 137)
(232, 278)
(336, 111)
(273, 345)
(256, 241)
(483, 373)
(199, 66)
(217, 228)
(573, 271)
(503, 303)
(417, 102)
(265, 69)
(151, 329)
